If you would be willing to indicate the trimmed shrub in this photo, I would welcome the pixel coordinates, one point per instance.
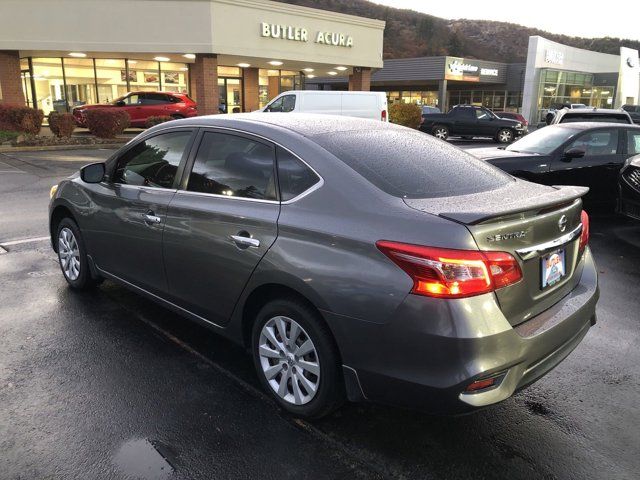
(157, 120)
(21, 119)
(62, 125)
(106, 122)
(406, 114)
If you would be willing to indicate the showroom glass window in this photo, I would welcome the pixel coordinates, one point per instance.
(153, 162)
(233, 166)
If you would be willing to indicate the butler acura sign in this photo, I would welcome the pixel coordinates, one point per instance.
(300, 34)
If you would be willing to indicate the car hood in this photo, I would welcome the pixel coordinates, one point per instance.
(494, 152)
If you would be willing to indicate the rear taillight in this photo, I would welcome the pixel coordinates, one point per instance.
(448, 273)
(584, 236)
(383, 115)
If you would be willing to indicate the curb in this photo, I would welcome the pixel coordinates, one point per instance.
(45, 148)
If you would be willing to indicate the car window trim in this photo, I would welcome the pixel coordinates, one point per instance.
(182, 186)
(184, 181)
(179, 172)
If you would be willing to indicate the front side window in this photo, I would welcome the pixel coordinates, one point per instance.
(152, 162)
(482, 114)
(294, 176)
(601, 142)
(543, 141)
(134, 99)
(233, 166)
(286, 103)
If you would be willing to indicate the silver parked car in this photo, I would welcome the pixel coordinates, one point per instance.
(355, 259)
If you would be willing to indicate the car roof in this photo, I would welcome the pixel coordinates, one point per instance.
(589, 125)
(305, 124)
(594, 111)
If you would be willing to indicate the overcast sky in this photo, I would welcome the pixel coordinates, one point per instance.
(585, 18)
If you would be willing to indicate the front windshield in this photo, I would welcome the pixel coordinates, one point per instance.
(543, 141)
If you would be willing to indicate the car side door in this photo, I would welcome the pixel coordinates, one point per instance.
(221, 222)
(597, 169)
(155, 104)
(485, 123)
(462, 121)
(127, 214)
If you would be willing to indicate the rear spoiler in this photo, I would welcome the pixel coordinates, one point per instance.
(517, 197)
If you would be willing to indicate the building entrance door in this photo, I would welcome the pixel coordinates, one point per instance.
(230, 91)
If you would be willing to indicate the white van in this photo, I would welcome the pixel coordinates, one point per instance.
(352, 104)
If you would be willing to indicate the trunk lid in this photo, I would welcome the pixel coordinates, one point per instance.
(531, 222)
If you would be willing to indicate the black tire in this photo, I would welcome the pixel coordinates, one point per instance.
(84, 279)
(505, 135)
(329, 394)
(440, 131)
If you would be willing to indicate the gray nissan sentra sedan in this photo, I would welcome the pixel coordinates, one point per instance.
(355, 259)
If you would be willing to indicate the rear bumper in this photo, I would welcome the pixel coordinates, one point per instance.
(432, 349)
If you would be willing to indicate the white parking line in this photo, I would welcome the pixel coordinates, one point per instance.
(25, 240)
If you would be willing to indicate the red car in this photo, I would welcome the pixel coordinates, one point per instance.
(142, 105)
(513, 116)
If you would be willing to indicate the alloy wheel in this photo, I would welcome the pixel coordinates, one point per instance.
(505, 136)
(289, 360)
(69, 254)
(441, 133)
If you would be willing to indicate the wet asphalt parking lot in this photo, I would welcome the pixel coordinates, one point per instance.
(108, 385)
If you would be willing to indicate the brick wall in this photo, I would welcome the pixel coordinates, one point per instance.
(204, 83)
(360, 80)
(10, 83)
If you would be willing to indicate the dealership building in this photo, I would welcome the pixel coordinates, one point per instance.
(229, 55)
(553, 74)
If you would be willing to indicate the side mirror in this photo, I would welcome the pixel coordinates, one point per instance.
(576, 152)
(93, 173)
(120, 103)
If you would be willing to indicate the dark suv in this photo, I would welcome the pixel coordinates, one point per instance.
(142, 105)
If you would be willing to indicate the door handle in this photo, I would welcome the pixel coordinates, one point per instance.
(151, 218)
(245, 240)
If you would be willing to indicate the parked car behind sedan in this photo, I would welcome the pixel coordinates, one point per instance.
(142, 105)
(606, 115)
(353, 258)
(629, 185)
(586, 154)
(469, 121)
(633, 111)
(513, 116)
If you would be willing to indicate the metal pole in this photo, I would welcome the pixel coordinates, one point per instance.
(34, 100)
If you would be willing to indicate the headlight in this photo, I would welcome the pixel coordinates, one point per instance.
(518, 125)
(53, 191)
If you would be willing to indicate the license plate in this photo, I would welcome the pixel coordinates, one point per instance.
(552, 268)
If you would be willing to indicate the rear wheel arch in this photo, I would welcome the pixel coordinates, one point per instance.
(265, 293)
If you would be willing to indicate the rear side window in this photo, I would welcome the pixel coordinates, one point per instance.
(410, 164)
(153, 162)
(233, 166)
(293, 175)
(633, 142)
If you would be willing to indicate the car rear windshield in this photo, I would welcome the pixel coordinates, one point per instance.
(608, 118)
(410, 164)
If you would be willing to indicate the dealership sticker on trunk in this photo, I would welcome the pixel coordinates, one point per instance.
(552, 268)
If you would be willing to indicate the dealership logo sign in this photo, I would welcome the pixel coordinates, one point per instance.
(299, 34)
(554, 57)
(456, 67)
